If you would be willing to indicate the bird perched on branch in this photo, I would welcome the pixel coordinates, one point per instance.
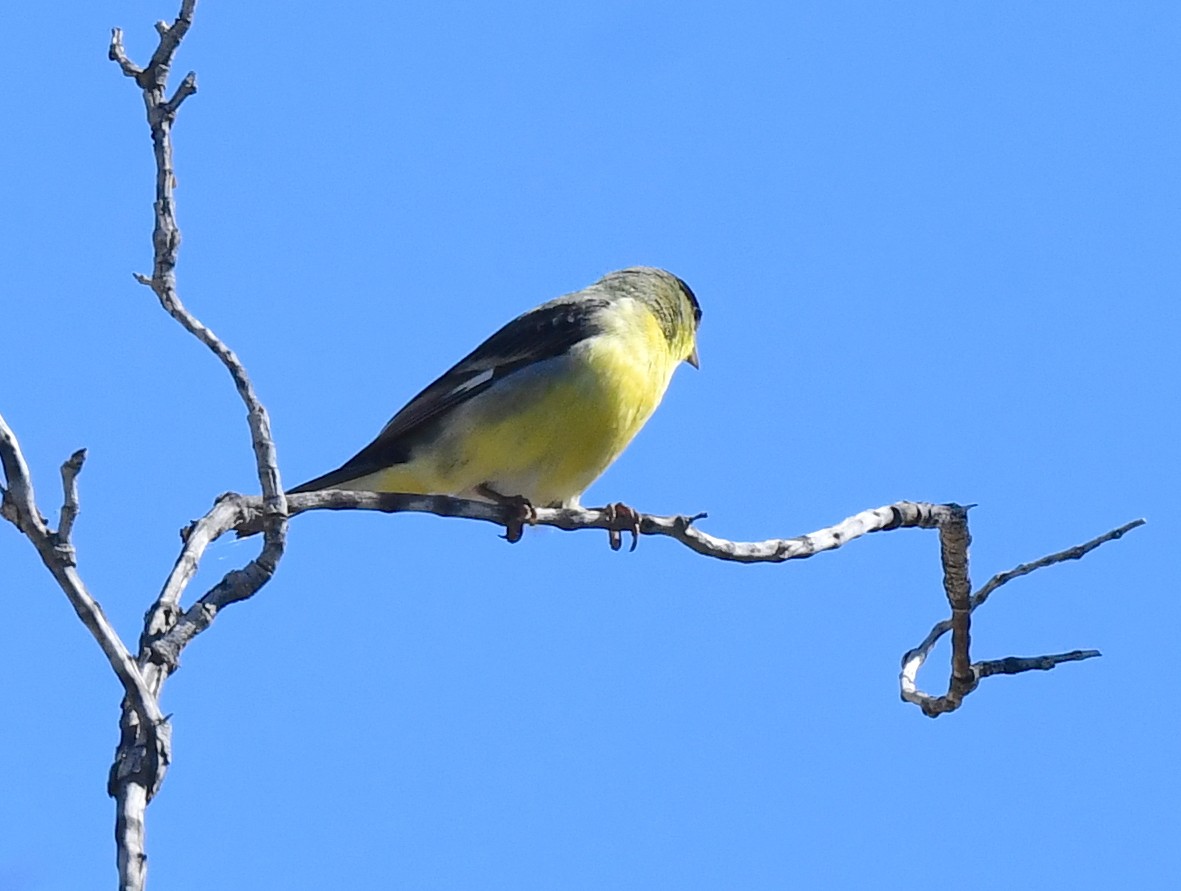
(540, 409)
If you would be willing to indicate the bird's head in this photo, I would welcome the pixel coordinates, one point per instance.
(671, 302)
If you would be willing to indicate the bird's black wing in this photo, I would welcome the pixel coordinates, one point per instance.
(542, 333)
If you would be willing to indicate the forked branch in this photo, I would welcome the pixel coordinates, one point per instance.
(133, 780)
(244, 514)
(966, 675)
(18, 505)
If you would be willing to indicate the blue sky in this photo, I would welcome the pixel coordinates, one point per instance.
(936, 246)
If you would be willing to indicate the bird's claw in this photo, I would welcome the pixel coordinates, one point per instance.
(523, 512)
(622, 519)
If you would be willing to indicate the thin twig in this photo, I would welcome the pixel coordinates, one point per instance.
(18, 504)
(1019, 664)
(69, 512)
(197, 538)
(913, 659)
(1075, 553)
(116, 53)
(57, 553)
(187, 88)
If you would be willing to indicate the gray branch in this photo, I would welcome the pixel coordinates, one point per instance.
(682, 528)
(18, 505)
(134, 778)
(244, 514)
(69, 512)
(966, 675)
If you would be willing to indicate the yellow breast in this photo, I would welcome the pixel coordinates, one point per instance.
(548, 431)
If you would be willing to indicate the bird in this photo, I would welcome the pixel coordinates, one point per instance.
(537, 412)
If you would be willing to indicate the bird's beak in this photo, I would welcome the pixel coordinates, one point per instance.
(693, 359)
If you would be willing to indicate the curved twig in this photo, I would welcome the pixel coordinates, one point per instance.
(913, 659)
(57, 553)
(135, 779)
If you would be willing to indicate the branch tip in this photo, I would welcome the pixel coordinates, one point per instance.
(116, 53)
(70, 469)
(187, 88)
(1020, 664)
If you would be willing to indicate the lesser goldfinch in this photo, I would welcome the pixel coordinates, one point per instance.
(542, 407)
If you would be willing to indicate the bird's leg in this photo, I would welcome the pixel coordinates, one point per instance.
(523, 511)
(622, 519)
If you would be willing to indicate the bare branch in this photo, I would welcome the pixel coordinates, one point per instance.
(18, 505)
(187, 88)
(1075, 553)
(236, 586)
(170, 38)
(953, 544)
(1018, 664)
(197, 538)
(949, 519)
(118, 54)
(961, 685)
(171, 631)
(69, 512)
(131, 857)
(57, 553)
(166, 240)
(903, 514)
(245, 513)
(136, 775)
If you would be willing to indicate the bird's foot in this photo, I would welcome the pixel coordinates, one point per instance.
(622, 519)
(522, 512)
